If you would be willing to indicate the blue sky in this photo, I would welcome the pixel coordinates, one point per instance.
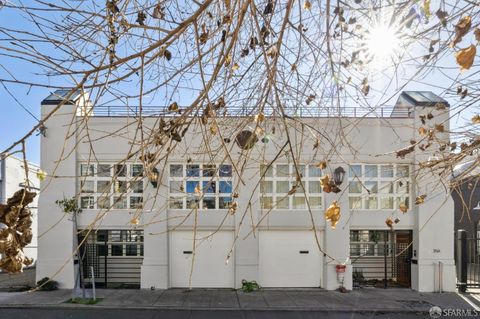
(15, 121)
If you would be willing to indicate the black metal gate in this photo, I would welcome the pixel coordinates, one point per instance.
(115, 256)
(381, 258)
(467, 261)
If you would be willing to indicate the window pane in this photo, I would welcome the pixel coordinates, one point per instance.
(314, 171)
(224, 202)
(386, 187)
(266, 202)
(314, 187)
(120, 202)
(103, 170)
(136, 202)
(371, 202)
(225, 171)
(192, 202)
(120, 170)
(268, 173)
(87, 186)
(386, 171)
(137, 170)
(208, 170)
(176, 186)
(103, 187)
(87, 202)
(315, 202)
(282, 187)
(266, 187)
(131, 250)
(355, 202)
(225, 187)
(301, 170)
(299, 202)
(208, 203)
(193, 170)
(372, 187)
(175, 203)
(402, 187)
(120, 186)
(402, 171)
(176, 170)
(115, 235)
(103, 202)
(117, 250)
(355, 171)
(209, 187)
(282, 203)
(102, 235)
(87, 170)
(282, 170)
(191, 186)
(386, 202)
(371, 171)
(355, 188)
(137, 186)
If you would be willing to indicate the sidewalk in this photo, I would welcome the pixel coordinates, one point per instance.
(361, 300)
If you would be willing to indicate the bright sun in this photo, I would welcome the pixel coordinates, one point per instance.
(382, 42)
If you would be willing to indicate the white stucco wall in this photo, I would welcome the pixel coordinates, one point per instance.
(366, 140)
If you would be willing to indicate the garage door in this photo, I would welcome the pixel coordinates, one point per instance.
(210, 269)
(289, 259)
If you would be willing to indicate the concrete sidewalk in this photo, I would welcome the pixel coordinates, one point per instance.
(359, 300)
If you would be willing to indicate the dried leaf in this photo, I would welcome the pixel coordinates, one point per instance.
(269, 7)
(293, 190)
(476, 119)
(232, 209)
(389, 223)
(422, 131)
(307, 5)
(420, 199)
(477, 34)
(134, 221)
(465, 57)
(426, 8)
(403, 208)
(310, 98)
(325, 183)
(235, 66)
(440, 128)
(332, 214)
(442, 16)
(272, 52)
(405, 151)
(167, 55)
(197, 189)
(213, 129)
(158, 12)
(322, 165)
(227, 4)
(173, 107)
(365, 87)
(461, 28)
(141, 17)
(397, 220)
(228, 60)
(260, 117)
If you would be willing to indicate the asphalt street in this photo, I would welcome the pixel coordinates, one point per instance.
(63, 313)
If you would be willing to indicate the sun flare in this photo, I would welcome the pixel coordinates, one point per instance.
(382, 43)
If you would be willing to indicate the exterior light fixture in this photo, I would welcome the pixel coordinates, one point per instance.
(153, 177)
(338, 175)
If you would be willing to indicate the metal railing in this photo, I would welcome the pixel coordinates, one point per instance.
(347, 112)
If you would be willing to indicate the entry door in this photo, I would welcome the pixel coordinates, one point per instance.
(210, 267)
(289, 259)
(404, 256)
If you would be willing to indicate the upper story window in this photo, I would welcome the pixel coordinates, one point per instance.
(206, 186)
(107, 185)
(279, 179)
(379, 186)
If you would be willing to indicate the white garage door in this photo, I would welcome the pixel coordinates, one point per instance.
(289, 259)
(210, 269)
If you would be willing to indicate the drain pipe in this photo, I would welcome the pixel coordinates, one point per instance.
(440, 277)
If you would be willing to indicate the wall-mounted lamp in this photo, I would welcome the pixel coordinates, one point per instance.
(153, 177)
(338, 175)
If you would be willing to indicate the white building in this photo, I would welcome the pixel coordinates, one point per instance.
(146, 238)
(12, 179)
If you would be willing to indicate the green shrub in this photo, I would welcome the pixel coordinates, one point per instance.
(46, 284)
(249, 286)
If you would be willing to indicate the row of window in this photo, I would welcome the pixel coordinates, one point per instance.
(209, 186)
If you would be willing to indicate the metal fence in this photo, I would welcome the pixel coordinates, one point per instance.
(467, 260)
(322, 112)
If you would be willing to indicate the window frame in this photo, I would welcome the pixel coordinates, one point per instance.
(124, 194)
(275, 197)
(205, 176)
(383, 184)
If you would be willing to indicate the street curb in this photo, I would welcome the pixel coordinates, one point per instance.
(169, 308)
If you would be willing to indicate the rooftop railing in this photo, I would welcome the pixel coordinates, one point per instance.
(348, 112)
